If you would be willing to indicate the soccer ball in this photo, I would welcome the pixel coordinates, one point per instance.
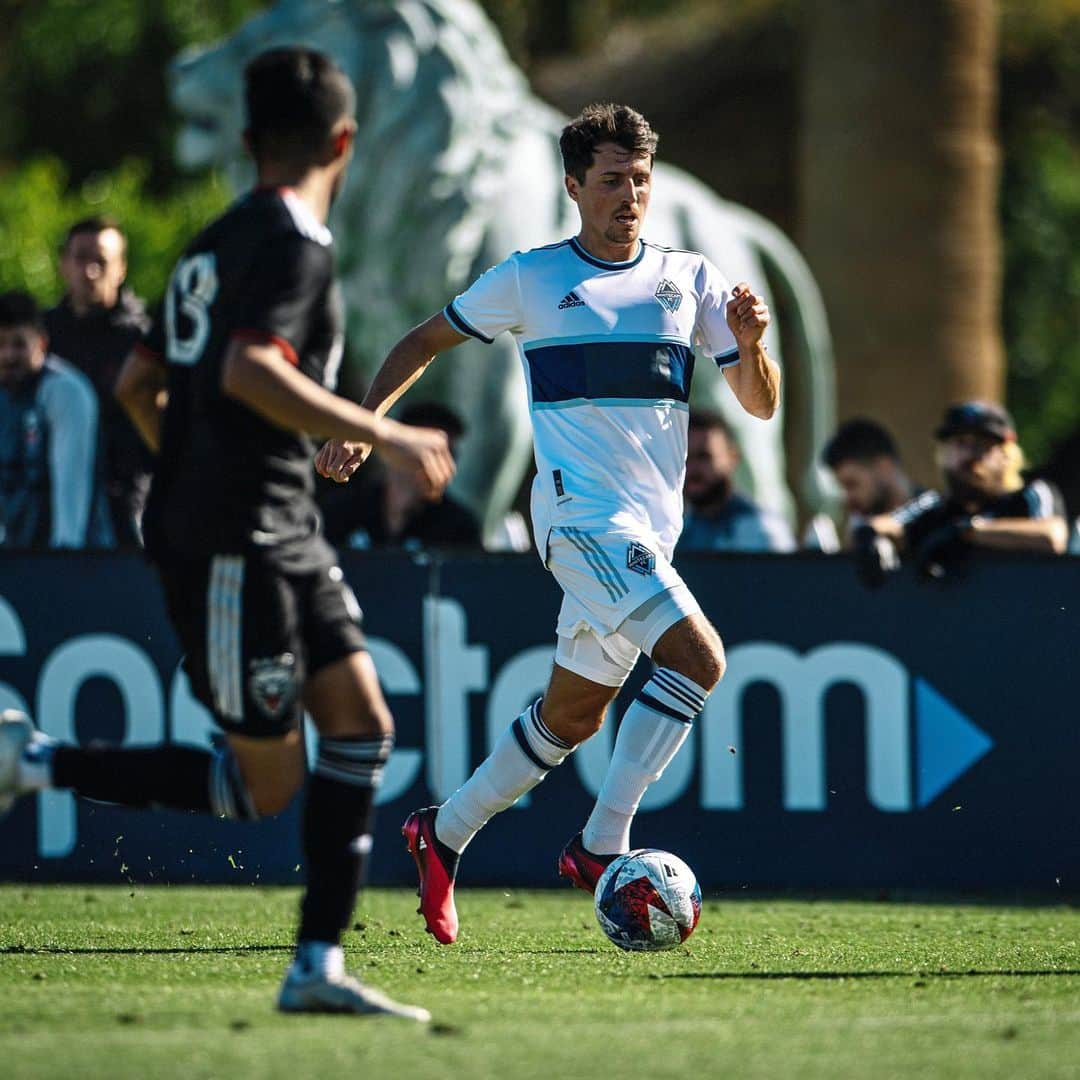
(647, 900)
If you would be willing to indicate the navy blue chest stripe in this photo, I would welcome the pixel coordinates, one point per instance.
(629, 370)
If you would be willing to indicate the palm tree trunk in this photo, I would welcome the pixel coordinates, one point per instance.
(899, 169)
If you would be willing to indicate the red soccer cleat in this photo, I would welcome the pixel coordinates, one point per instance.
(436, 890)
(582, 867)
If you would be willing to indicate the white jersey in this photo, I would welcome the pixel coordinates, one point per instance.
(608, 351)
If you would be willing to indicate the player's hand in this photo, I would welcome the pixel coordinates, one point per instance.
(747, 315)
(338, 461)
(422, 453)
(939, 553)
(875, 557)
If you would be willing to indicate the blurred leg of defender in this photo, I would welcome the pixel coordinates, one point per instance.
(356, 735)
(251, 633)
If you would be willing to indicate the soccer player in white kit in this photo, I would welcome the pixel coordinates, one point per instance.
(607, 326)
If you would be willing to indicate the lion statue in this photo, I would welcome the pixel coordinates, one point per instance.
(457, 165)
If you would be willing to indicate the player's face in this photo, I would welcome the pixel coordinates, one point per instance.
(93, 267)
(974, 462)
(615, 195)
(710, 465)
(22, 352)
(865, 487)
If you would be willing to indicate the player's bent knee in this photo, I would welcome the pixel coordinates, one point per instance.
(573, 726)
(714, 669)
(346, 701)
(698, 655)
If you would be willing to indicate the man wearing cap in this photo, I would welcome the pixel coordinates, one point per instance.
(986, 502)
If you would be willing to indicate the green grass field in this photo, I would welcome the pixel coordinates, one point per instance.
(179, 982)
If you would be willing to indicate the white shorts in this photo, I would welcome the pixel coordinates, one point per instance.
(620, 593)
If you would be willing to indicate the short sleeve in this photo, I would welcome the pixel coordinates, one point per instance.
(912, 513)
(1043, 500)
(287, 283)
(711, 332)
(490, 305)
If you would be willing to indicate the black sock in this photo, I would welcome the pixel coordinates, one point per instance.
(338, 815)
(448, 856)
(178, 777)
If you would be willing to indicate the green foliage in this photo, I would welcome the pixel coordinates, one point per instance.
(37, 205)
(86, 81)
(1039, 79)
(1041, 219)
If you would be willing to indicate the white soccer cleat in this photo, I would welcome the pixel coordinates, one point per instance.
(16, 733)
(336, 992)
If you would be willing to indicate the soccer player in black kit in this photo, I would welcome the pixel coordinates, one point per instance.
(246, 348)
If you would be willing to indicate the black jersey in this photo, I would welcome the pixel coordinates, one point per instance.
(226, 479)
(931, 511)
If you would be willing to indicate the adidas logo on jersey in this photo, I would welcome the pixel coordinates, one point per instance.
(571, 299)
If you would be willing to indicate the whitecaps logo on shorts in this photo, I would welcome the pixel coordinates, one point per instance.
(640, 559)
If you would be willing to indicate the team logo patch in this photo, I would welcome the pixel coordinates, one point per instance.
(571, 299)
(640, 559)
(669, 295)
(272, 683)
(667, 292)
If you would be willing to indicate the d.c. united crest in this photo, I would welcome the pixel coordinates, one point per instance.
(272, 683)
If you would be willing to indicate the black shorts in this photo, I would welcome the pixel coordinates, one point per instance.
(252, 633)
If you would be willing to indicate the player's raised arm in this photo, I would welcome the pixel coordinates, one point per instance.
(404, 364)
(260, 377)
(756, 378)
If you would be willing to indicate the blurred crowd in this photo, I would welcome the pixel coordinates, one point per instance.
(75, 474)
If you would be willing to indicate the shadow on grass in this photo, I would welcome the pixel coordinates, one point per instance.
(195, 950)
(827, 975)
(1061, 897)
(134, 950)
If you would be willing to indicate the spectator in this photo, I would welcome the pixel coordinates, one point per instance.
(94, 327)
(389, 509)
(1063, 469)
(719, 518)
(48, 440)
(986, 502)
(863, 457)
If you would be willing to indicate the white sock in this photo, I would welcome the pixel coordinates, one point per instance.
(323, 957)
(523, 755)
(651, 732)
(34, 769)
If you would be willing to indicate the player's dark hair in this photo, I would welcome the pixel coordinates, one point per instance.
(294, 98)
(19, 309)
(707, 420)
(432, 414)
(604, 123)
(859, 440)
(97, 223)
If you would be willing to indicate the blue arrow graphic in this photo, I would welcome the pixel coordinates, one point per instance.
(947, 742)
